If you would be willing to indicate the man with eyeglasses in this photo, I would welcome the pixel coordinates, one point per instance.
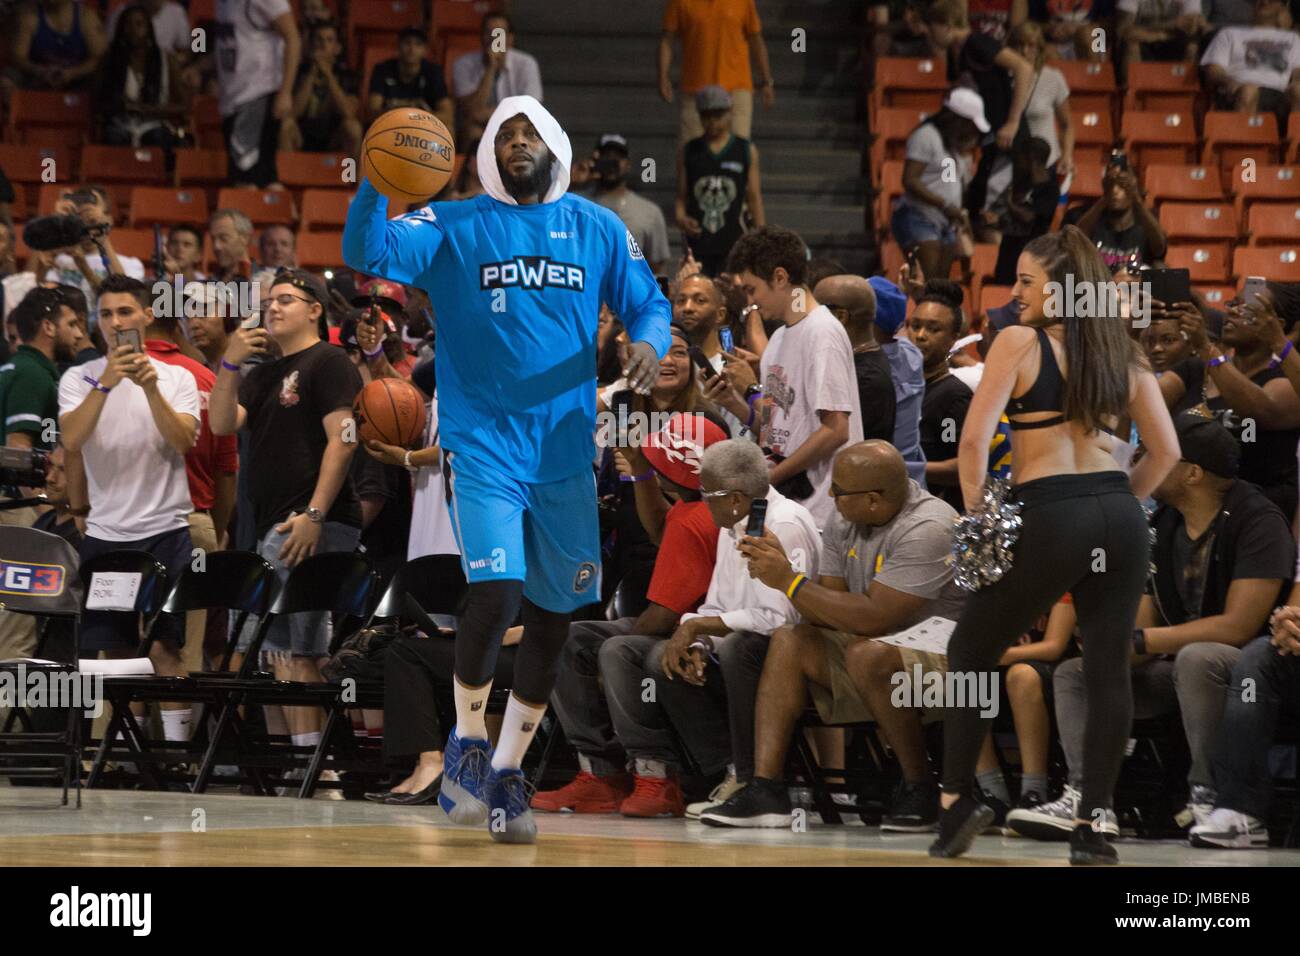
(295, 408)
(884, 568)
(706, 674)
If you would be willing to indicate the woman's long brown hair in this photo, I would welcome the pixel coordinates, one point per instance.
(1098, 351)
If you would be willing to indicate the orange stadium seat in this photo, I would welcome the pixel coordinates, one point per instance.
(53, 119)
(456, 25)
(1086, 183)
(1094, 135)
(891, 185)
(262, 206)
(918, 82)
(1179, 182)
(125, 164)
(324, 209)
(893, 125)
(1232, 137)
(202, 11)
(1293, 137)
(1092, 85)
(320, 250)
(205, 120)
(168, 205)
(1270, 183)
(1205, 262)
(993, 297)
(135, 242)
(204, 169)
(1270, 224)
(1199, 221)
(317, 170)
(1153, 137)
(1168, 87)
(1277, 263)
(374, 54)
(28, 164)
(377, 21)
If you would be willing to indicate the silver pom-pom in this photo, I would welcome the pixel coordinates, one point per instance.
(983, 540)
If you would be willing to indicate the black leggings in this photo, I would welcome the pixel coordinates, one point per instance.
(490, 608)
(1085, 534)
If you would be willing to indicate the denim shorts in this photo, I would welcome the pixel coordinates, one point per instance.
(911, 227)
(306, 635)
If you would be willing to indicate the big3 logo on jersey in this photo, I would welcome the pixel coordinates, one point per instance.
(532, 272)
(24, 577)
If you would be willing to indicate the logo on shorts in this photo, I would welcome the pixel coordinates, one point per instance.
(633, 249)
(496, 562)
(586, 574)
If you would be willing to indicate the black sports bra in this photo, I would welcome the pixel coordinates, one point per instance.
(1045, 395)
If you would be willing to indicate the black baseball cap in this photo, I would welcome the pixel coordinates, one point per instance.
(1206, 443)
(612, 140)
(307, 282)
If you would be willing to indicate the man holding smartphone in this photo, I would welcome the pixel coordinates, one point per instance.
(133, 419)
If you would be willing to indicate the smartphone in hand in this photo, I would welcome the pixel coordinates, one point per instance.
(129, 337)
(1254, 287)
(702, 362)
(757, 515)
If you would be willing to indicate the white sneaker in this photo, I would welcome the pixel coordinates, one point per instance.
(720, 794)
(1226, 829)
(1056, 820)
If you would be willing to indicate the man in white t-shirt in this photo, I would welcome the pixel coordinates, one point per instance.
(481, 80)
(258, 50)
(133, 418)
(86, 266)
(809, 407)
(1256, 68)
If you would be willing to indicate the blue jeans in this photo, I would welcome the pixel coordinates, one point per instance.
(1249, 726)
(306, 635)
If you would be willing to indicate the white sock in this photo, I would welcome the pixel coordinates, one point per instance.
(471, 709)
(305, 740)
(517, 729)
(176, 724)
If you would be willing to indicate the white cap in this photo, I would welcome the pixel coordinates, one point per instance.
(966, 102)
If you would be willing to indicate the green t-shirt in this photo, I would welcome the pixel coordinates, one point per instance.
(29, 396)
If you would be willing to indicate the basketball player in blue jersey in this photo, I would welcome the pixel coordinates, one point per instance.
(516, 276)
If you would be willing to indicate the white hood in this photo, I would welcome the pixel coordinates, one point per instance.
(552, 135)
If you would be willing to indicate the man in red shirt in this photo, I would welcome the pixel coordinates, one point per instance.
(211, 467)
(668, 462)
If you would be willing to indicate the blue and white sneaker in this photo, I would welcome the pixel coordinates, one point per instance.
(509, 818)
(468, 763)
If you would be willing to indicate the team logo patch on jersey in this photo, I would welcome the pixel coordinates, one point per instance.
(586, 574)
(633, 249)
(532, 272)
(24, 577)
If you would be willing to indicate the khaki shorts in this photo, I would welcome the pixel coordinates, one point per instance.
(841, 703)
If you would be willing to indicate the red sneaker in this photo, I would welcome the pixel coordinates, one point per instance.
(585, 793)
(654, 797)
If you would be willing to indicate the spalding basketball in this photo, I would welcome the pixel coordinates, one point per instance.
(390, 410)
(408, 155)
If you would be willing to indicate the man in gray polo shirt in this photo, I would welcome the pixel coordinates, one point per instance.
(607, 169)
(884, 568)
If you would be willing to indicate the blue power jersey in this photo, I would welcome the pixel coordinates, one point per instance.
(516, 292)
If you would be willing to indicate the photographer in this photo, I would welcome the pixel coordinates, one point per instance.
(133, 419)
(1125, 230)
(85, 266)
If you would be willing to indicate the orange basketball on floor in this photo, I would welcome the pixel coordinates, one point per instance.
(390, 410)
(408, 155)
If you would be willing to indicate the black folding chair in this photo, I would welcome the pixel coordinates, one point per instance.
(338, 583)
(239, 581)
(38, 576)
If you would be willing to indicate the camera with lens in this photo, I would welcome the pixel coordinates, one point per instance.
(23, 466)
